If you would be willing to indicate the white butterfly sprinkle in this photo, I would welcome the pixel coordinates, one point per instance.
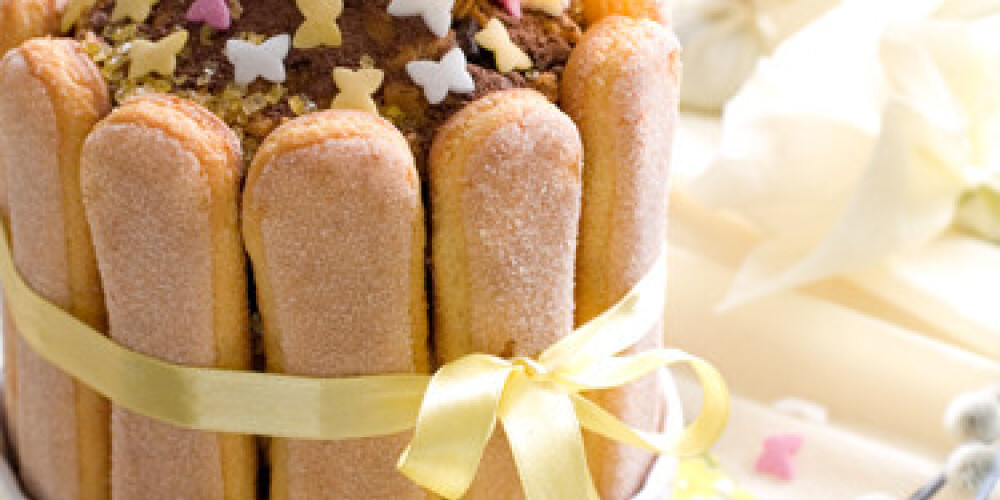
(437, 79)
(266, 60)
(436, 13)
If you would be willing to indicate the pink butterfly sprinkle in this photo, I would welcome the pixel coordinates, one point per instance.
(776, 459)
(214, 13)
(513, 7)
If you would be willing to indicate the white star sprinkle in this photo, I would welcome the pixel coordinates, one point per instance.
(437, 79)
(436, 13)
(266, 60)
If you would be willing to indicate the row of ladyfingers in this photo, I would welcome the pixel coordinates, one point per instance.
(144, 213)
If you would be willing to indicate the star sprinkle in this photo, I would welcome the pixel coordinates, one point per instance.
(356, 88)
(320, 27)
(437, 79)
(266, 60)
(776, 459)
(436, 13)
(214, 13)
(551, 7)
(73, 11)
(496, 39)
(513, 7)
(136, 10)
(156, 57)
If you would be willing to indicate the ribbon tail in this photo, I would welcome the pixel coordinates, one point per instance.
(456, 420)
(620, 327)
(692, 441)
(546, 441)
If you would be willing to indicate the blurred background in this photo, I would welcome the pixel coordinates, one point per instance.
(835, 239)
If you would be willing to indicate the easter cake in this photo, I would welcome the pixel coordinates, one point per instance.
(323, 188)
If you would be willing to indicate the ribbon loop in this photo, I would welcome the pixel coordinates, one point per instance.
(453, 414)
(455, 422)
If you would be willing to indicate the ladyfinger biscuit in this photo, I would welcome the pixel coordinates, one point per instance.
(335, 228)
(52, 97)
(161, 183)
(621, 88)
(21, 20)
(505, 197)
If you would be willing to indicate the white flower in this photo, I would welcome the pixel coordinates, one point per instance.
(723, 39)
(863, 142)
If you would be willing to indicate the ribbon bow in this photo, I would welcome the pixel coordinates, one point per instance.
(541, 409)
(454, 412)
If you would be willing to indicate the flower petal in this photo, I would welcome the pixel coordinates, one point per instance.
(906, 197)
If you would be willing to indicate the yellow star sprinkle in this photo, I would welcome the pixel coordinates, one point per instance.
(156, 57)
(73, 11)
(320, 27)
(136, 10)
(496, 39)
(356, 88)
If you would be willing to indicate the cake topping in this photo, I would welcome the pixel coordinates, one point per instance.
(437, 79)
(214, 13)
(266, 60)
(356, 88)
(436, 13)
(550, 7)
(508, 55)
(75, 9)
(136, 10)
(513, 7)
(320, 27)
(156, 57)
(372, 38)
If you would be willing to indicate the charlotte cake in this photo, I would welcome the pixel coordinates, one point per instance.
(539, 139)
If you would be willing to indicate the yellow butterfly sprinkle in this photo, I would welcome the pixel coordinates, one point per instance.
(156, 57)
(136, 10)
(508, 55)
(320, 27)
(356, 88)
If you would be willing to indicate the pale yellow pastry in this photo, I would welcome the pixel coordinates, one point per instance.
(505, 197)
(161, 181)
(52, 97)
(335, 228)
(624, 72)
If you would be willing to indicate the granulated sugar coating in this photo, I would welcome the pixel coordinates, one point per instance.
(621, 89)
(505, 186)
(160, 192)
(335, 230)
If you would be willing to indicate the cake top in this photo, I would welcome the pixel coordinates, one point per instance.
(258, 63)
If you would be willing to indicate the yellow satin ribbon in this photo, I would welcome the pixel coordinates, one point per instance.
(453, 413)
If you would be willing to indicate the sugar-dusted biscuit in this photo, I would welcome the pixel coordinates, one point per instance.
(161, 181)
(334, 225)
(52, 96)
(505, 197)
(621, 88)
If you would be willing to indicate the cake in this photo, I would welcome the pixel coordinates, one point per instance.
(324, 188)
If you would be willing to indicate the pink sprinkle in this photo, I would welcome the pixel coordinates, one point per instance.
(513, 7)
(214, 13)
(776, 459)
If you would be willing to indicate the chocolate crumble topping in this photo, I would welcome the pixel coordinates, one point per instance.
(371, 38)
